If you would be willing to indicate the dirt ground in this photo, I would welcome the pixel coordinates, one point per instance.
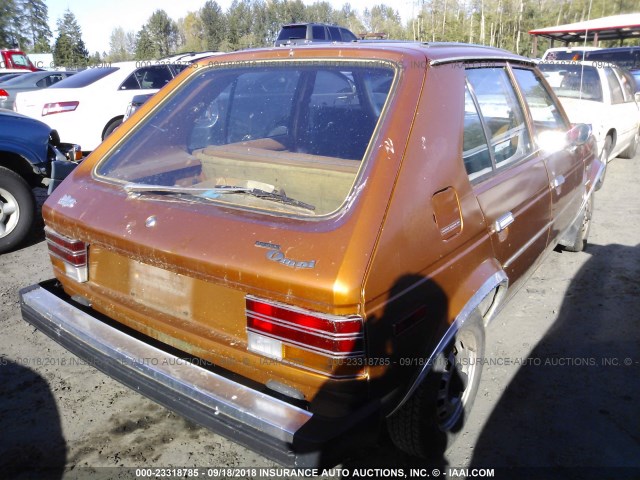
(560, 398)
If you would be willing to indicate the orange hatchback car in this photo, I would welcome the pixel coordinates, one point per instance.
(294, 246)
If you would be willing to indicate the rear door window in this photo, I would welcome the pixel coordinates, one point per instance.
(475, 149)
(614, 86)
(502, 114)
(544, 110)
(152, 77)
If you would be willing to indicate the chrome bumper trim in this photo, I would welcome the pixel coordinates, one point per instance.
(156, 373)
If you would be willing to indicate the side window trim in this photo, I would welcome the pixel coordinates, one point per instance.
(485, 130)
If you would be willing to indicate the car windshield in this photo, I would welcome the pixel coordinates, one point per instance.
(573, 80)
(85, 77)
(278, 136)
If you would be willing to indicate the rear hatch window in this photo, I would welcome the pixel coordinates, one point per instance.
(293, 32)
(279, 137)
(85, 77)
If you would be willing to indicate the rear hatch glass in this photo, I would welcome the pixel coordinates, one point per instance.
(293, 32)
(280, 137)
(85, 77)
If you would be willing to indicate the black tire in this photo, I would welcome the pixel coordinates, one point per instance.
(580, 242)
(431, 420)
(604, 158)
(631, 150)
(17, 209)
(111, 126)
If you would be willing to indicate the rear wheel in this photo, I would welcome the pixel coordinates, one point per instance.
(431, 420)
(113, 124)
(17, 209)
(580, 241)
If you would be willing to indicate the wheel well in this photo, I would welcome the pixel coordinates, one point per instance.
(119, 118)
(614, 137)
(19, 165)
(491, 304)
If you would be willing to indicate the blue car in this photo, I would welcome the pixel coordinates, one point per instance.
(31, 155)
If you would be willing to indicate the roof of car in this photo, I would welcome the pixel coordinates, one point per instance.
(436, 52)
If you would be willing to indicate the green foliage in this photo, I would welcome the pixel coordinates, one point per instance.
(69, 49)
(35, 15)
(163, 33)
(213, 23)
(145, 48)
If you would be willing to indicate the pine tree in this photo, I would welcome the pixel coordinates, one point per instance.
(163, 33)
(10, 25)
(35, 15)
(214, 23)
(69, 49)
(145, 49)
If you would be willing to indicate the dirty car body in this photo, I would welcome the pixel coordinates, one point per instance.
(295, 246)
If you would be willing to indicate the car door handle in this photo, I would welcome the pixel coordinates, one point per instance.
(559, 180)
(503, 222)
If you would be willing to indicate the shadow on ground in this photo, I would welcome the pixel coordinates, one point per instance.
(572, 411)
(31, 441)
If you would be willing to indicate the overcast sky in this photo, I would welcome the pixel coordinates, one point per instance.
(98, 18)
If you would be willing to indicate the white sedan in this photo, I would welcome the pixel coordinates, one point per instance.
(601, 95)
(87, 107)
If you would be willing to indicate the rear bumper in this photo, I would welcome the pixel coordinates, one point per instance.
(274, 428)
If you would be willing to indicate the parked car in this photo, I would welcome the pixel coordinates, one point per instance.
(624, 57)
(294, 246)
(90, 105)
(567, 53)
(136, 102)
(301, 33)
(185, 58)
(601, 95)
(27, 83)
(31, 155)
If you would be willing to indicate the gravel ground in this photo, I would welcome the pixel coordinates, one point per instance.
(559, 398)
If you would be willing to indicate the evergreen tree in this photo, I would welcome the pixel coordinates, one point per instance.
(163, 33)
(69, 49)
(35, 15)
(214, 25)
(145, 48)
(10, 25)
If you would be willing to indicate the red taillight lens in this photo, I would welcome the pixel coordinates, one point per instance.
(324, 334)
(59, 107)
(73, 254)
(3, 94)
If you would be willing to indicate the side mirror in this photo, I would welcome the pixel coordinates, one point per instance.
(552, 141)
(579, 134)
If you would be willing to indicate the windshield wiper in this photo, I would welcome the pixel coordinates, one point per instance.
(277, 196)
(145, 187)
(206, 192)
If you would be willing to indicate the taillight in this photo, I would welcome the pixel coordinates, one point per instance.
(59, 107)
(3, 94)
(73, 254)
(282, 332)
